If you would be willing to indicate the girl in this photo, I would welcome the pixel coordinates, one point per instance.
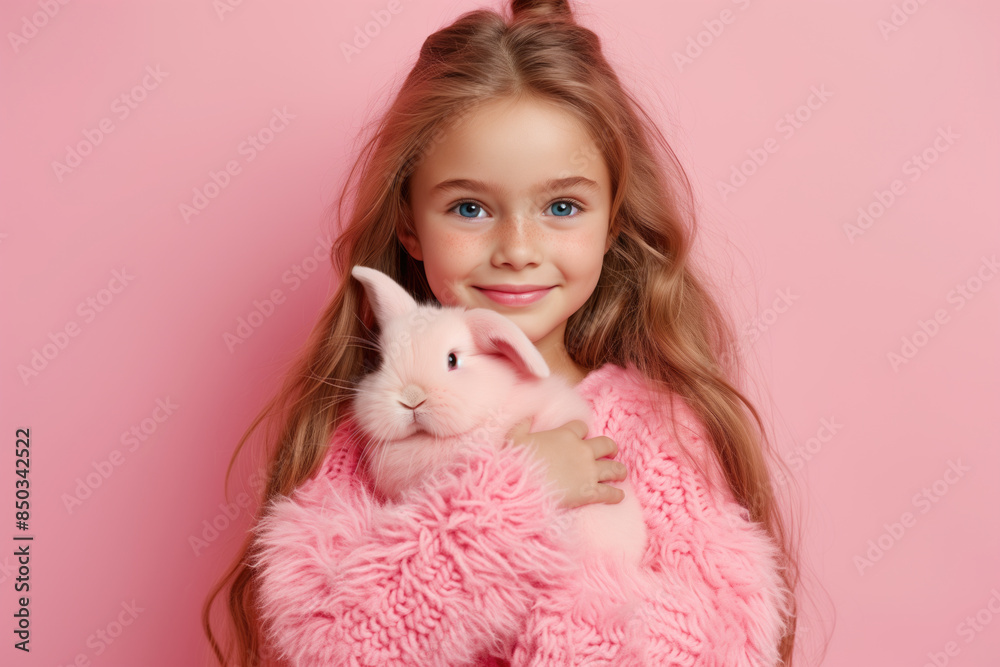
(514, 172)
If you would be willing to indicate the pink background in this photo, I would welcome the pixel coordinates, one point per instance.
(820, 312)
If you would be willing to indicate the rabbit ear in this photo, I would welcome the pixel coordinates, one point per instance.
(389, 300)
(494, 333)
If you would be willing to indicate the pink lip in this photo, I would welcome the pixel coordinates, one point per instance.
(515, 295)
(516, 289)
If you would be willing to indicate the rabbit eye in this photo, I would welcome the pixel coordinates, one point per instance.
(452, 361)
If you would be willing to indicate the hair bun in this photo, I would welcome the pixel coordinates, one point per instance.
(541, 8)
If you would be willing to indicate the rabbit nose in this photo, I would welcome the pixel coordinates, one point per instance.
(413, 396)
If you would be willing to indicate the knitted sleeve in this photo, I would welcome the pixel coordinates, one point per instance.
(443, 577)
(718, 597)
(709, 592)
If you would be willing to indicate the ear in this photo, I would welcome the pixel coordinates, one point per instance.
(611, 239)
(495, 334)
(388, 299)
(410, 242)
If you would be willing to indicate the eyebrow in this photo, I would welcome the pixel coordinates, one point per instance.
(494, 189)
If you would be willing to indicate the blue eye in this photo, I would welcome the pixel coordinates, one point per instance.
(470, 207)
(563, 207)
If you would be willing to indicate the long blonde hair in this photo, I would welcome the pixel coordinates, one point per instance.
(649, 308)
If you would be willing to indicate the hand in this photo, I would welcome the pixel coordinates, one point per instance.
(574, 464)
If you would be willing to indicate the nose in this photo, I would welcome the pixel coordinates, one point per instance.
(412, 397)
(517, 242)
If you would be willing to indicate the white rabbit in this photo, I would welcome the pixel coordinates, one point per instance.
(449, 374)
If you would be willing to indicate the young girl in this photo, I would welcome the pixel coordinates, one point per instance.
(514, 172)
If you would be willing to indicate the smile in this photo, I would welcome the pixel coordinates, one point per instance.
(515, 299)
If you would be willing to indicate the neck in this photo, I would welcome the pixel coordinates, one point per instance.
(560, 363)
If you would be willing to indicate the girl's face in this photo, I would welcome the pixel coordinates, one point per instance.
(514, 195)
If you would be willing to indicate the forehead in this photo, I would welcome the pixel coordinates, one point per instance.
(515, 143)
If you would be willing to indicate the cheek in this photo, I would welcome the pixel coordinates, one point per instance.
(454, 247)
(446, 291)
(450, 253)
(583, 253)
(448, 262)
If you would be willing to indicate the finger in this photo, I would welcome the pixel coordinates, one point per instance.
(578, 427)
(610, 494)
(520, 429)
(611, 471)
(603, 446)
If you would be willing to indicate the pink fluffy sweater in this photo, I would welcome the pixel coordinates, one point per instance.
(474, 569)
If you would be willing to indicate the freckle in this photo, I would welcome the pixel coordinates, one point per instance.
(459, 242)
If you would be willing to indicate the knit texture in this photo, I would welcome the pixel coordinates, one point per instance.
(476, 567)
